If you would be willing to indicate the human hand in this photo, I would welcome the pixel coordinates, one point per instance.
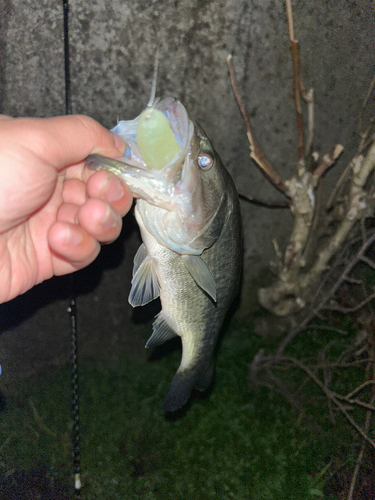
(54, 211)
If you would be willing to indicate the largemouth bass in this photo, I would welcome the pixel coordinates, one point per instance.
(189, 217)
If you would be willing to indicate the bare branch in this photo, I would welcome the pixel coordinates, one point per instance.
(347, 310)
(357, 402)
(365, 141)
(309, 99)
(289, 15)
(361, 387)
(294, 46)
(342, 180)
(328, 160)
(328, 328)
(353, 281)
(255, 151)
(364, 104)
(357, 467)
(315, 311)
(333, 397)
(261, 202)
(363, 229)
(368, 261)
(366, 99)
(360, 454)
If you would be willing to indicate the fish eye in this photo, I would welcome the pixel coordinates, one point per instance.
(205, 161)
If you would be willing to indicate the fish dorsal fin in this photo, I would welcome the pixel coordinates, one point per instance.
(201, 274)
(145, 283)
(162, 331)
(139, 257)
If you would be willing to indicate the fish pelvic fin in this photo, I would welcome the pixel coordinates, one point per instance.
(139, 258)
(162, 331)
(145, 282)
(182, 385)
(201, 274)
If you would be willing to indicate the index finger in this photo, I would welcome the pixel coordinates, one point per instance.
(63, 140)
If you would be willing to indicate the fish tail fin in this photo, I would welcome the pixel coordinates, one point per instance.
(179, 391)
(204, 378)
(183, 383)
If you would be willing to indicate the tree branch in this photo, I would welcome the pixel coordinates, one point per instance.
(297, 85)
(256, 201)
(255, 151)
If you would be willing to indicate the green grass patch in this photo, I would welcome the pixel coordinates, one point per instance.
(236, 444)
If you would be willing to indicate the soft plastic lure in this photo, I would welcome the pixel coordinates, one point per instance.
(155, 139)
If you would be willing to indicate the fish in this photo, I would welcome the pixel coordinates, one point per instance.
(188, 213)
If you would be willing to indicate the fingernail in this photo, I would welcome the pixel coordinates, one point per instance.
(110, 220)
(73, 238)
(113, 189)
(119, 143)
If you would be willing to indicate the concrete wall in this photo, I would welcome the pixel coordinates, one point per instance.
(112, 53)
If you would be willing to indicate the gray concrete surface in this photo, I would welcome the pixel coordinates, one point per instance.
(112, 52)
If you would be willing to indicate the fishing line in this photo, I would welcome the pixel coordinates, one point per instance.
(151, 101)
(72, 309)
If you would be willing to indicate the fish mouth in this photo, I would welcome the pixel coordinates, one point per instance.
(182, 129)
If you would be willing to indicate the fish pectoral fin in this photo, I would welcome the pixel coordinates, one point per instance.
(201, 274)
(162, 331)
(145, 284)
(139, 257)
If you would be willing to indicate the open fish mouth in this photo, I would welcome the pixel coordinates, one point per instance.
(157, 164)
(179, 124)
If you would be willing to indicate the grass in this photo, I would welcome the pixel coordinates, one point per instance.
(235, 444)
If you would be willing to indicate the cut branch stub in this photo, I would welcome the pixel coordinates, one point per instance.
(328, 160)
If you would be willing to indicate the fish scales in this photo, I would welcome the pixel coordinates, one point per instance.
(189, 218)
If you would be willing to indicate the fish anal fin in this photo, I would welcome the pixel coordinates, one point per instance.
(145, 284)
(201, 274)
(162, 331)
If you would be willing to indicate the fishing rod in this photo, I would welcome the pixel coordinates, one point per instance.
(68, 105)
(72, 309)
